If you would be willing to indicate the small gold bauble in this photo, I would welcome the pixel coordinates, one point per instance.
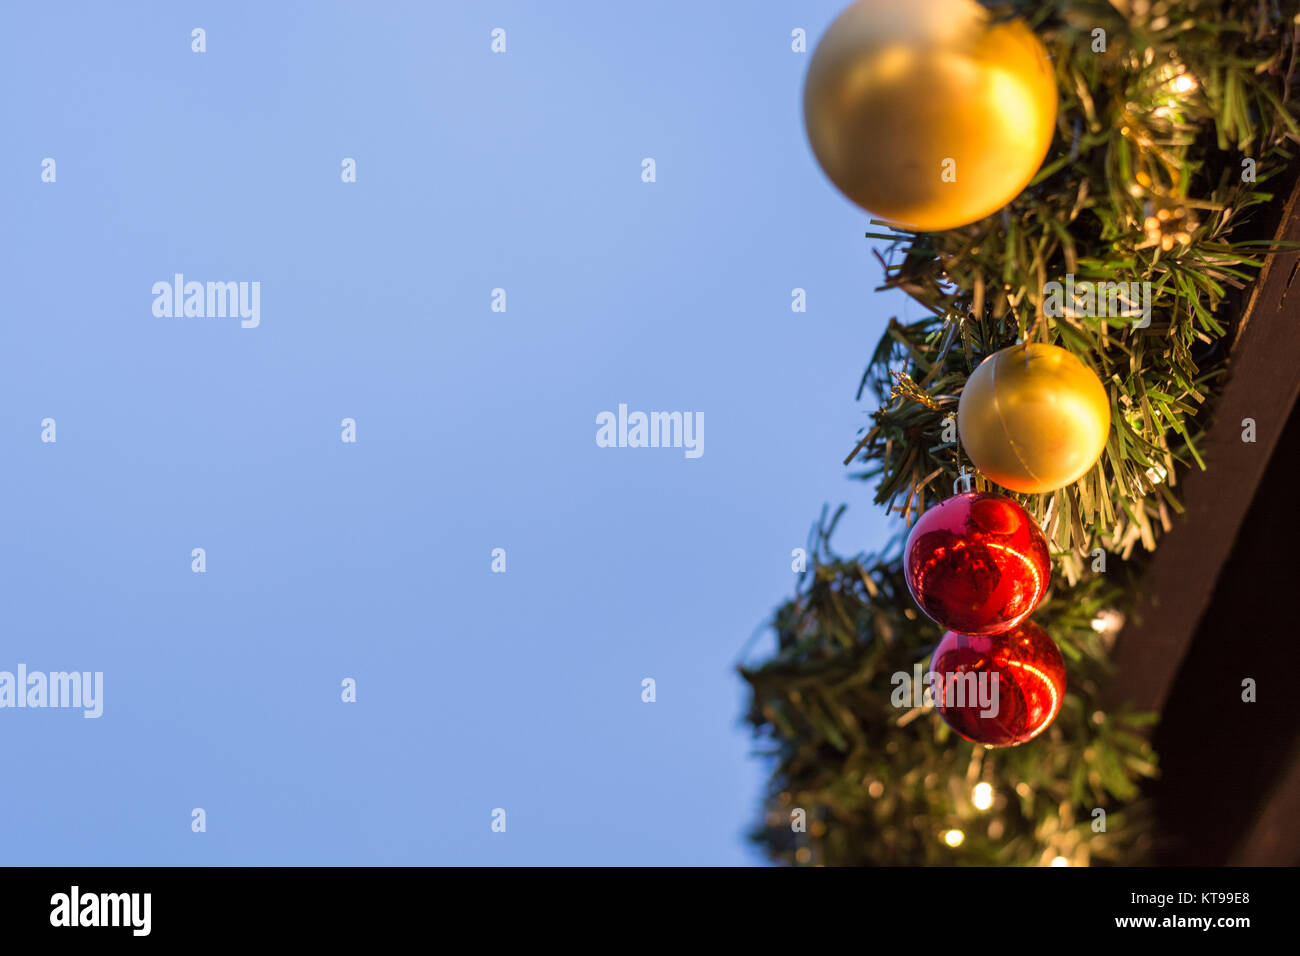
(1033, 418)
(926, 115)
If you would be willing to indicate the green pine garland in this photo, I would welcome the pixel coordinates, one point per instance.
(1144, 183)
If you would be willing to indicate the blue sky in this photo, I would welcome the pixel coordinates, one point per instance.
(475, 429)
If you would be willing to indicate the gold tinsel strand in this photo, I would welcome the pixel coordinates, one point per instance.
(906, 388)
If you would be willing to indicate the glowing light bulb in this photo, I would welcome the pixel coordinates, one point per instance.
(982, 797)
(954, 838)
(1184, 83)
(1060, 861)
(1108, 621)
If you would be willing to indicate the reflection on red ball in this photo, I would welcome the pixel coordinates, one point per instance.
(976, 563)
(1000, 690)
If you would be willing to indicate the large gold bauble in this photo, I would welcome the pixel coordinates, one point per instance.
(1033, 418)
(902, 96)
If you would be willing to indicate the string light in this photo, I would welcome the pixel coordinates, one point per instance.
(1107, 621)
(1108, 624)
(982, 797)
(954, 838)
(1060, 861)
(1176, 78)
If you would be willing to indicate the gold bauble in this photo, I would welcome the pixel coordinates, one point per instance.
(1033, 418)
(901, 97)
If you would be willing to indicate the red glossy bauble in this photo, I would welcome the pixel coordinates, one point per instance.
(977, 564)
(999, 690)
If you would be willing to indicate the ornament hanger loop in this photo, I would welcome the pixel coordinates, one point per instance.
(965, 482)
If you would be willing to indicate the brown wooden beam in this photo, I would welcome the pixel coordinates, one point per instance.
(1264, 380)
(1274, 839)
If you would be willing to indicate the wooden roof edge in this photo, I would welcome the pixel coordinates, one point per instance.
(1263, 383)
